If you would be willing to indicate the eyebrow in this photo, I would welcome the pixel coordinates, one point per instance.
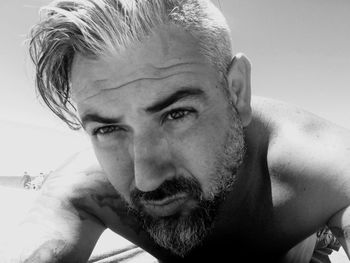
(184, 93)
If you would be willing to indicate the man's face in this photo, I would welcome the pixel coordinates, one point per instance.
(163, 131)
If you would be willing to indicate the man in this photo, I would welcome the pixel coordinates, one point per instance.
(188, 166)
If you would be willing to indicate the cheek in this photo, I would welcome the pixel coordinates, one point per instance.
(118, 168)
(199, 147)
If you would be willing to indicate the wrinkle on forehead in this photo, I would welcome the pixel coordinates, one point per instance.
(149, 72)
(168, 52)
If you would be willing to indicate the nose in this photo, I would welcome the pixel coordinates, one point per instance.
(152, 162)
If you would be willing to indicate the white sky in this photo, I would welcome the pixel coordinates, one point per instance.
(300, 52)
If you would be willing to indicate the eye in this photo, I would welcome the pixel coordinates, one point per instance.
(106, 130)
(178, 114)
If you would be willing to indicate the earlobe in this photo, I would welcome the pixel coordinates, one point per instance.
(238, 80)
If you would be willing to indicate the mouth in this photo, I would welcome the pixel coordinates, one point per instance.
(167, 206)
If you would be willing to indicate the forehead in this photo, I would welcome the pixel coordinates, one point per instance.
(169, 51)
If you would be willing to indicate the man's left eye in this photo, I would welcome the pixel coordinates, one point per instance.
(178, 114)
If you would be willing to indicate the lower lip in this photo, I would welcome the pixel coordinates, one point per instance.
(167, 209)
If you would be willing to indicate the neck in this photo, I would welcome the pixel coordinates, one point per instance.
(248, 207)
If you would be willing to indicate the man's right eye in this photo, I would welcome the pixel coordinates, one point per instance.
(106, 130)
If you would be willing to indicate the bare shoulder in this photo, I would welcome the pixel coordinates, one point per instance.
(308, 159)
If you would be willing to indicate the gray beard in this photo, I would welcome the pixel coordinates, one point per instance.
(181, 233)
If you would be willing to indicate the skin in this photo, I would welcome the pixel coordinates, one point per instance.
(145, 148)
(294, 179)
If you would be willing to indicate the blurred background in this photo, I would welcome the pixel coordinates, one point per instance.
(300, 53)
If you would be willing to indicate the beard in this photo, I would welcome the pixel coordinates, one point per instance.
(181, 232)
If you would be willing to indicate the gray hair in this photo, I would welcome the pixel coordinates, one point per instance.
(96, 27)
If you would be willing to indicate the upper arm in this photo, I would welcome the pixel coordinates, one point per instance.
(325, 161)
(310, 159)
(321, 154)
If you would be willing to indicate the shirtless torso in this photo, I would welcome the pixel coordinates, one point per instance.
(299, 193)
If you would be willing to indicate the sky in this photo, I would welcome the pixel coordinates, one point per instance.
(299, 50)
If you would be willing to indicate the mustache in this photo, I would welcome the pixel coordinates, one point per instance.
(169, 188)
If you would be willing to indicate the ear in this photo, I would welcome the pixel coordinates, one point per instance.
(238, 79)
